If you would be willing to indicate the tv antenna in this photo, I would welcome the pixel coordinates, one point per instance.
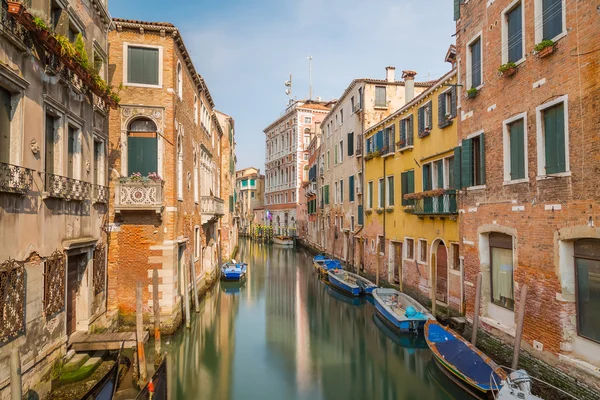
(309, 58)
(288, 85)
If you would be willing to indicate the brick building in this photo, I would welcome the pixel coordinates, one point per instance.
(529, 148)
(165, 162)
(229, 227)
(53, 194)
(249, 196)
(308, 230)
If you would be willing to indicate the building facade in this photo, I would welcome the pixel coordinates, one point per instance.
(529, 202)
(249, 196)
(410, 237)
(53, 194)
(363, 103)
(308, 230)
(286, 154)
(229, 228)
(165, 161)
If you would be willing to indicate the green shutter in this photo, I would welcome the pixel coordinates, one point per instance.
(457, 9)
(457, 160)
(426, 177)
(515, 34)
(466, 164)
(142, 65)
(476, 63)
(421, 121)
(482, 159)
(230, 203)
(390, 190)
(350, 144)
(517, 151)
(326, 194)
(351, 188)
(442, 109)
(361, 216)
(142, 155)
(403, 186)
(554, 132)
(453, 102)
(411, 181)
(439, 165)
(379, 141)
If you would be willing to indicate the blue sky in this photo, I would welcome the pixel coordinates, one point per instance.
(246, 49)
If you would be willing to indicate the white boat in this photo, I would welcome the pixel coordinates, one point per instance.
(284, 241)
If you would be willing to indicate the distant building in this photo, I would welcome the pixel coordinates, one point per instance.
(287, 141)
(229, 228)
(249, 196)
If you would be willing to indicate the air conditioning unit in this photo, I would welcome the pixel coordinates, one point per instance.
(358, 189)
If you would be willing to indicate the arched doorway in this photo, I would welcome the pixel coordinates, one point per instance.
(441, 273)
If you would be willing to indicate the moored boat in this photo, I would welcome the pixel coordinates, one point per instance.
(285, 241)
(232, 271)
(323, 264)
(350, 283)
(157, 388)
(400, 311)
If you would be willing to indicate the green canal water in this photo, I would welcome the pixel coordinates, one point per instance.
(285, 334)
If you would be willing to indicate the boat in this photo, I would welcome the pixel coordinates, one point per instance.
(400, 311)
(233, 271)
(323, 264)
(156, 389)
(285, 241)
(408, 341)
(462, 362)
(106, 387)
(350, 283)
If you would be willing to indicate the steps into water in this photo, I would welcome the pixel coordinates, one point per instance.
(81, 366)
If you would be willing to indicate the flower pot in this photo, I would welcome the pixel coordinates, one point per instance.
(509, 72)
(472, 95)
(43, 35)
(546, 51)
(15, 8)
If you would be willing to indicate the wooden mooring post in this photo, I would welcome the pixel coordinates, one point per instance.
(195, 285)
(519, 333)
(143, 377)
(156, 309)
(15, 375)
(433, 284)
(186, 292)
(476, 311)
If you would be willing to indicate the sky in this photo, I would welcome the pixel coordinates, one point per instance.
(246, 49)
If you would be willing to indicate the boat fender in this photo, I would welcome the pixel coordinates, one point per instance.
(410, 311)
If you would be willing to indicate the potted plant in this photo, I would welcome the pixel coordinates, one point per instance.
(16, 7)
(508, 69)
(544, 48)
(471, 93)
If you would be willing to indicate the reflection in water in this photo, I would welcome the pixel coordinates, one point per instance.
(284, 334)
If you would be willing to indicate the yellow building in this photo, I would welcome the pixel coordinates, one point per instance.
(410, 206)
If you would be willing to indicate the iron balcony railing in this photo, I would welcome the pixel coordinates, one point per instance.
(388, 149)
(15, 179)
(359, 146)
(62, 187)
(405, 141)
(444, 204)
(212, 205)
(11, 26)
(139, 196)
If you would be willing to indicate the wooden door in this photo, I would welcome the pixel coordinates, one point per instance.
(72, 283)
(397, 262)
(442, 274)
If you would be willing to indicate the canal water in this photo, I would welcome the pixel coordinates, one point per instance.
(285, 334)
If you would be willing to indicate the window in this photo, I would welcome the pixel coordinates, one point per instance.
(423, 251)
(553, 137)
(72, 145)
(5, 120)
(454, 249)
(587, 287)
(380, 96)
(446, 107)
(196, 113)
(341, 151)
(337, 193)
(352, 104)
(352, 223)
(179, 168)
(326, 194)
(389, 137)
(425, 120)
(341, 191)
(336, 122)
(427, 177)
(351, 188)
(143, 65)
(408, 186)
(307, 120)
(360, 98)
(196, 198)
(390, 191)
(179, 81)
(335, 155)
(472, 161)
(341, 116)
(501, 253)
(370, 194)
(328, 160)
(512, 33)
(381, 193)
(474, 67)
(381, 244)
(515, 152)
(406, 132)
(197, 242)
(410, 248)
(142, 147)
(550, 20)
(98, 178)
(350, 144)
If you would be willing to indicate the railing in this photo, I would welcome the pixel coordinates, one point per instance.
(10, 25)
(100, 194)
(444, 204)
(62, 187)
(138, 196)
(359, 146)
(212, 205)
(388, 149)
(15, 179)
(405, 142)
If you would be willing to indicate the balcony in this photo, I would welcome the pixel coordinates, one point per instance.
(388, 149)
(359, 146)
(100, 194)
(62, 187)
(405, 143)
(211, 207)
(438, 202)
(138, 196)
(15, 179)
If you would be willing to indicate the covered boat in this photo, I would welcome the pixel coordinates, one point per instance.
(323, 264)
(400, 311)
(350, 283)
(285, 241)
(232, 271)
(462, 362)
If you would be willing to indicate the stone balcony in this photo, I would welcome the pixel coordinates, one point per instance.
(211, 207)
(15, 179)
(139, 196)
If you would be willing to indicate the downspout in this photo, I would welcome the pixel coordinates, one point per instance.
(362, 175)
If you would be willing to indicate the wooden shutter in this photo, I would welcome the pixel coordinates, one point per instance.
(142, 65)
(430, 106)
(476, 63)
(411, 181)
(142, 153)
(351, 188)
(466, 169)
(379, 140)
(410, 136)
(554, 135)
(421, 120)
(350, 144)
(456, 161)
(517, 151)
(457, 4)
(392, 138)
(426, 177)
(403, 124)
(515, 34)
(441, 110)
(403, 186)
(439, 165)
(482, 159)
(453, 101)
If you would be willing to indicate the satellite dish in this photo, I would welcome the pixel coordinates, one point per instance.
(288, 83)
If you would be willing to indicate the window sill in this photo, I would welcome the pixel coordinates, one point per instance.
(408, 259)
(557, 175)
(421, 263)
(180, 199)
(405, 148)
(143, 85)
(380, 107)
(479, 187)
(516, 182)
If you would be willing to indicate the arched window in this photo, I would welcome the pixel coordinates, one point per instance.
(179, 168)
(587, 273)
(179, 80)
(142, 147)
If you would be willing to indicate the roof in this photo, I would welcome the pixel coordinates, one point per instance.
(310, 104)
(316, 106)
(163, 28)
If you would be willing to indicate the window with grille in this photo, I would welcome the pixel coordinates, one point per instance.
(410, 249)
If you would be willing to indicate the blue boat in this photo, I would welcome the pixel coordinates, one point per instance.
(232, 271)
(400, 311)
(355, 301)
(408, 341)
(323, 264)
(350, 283)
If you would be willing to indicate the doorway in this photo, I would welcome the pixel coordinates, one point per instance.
(442, 273)
(397, 261)
(73, 266)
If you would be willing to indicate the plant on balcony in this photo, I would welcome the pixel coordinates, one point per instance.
(136, 177)
(427, 193)
(471, 93)
(508, 69)
(379, 211)
(544, 48)
(16, 7)
(369, 211)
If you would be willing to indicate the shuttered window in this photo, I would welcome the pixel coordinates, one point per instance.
(350, 144)
(326, 194)
(456, 169)
(517, 149)
(475, 66)
(514, 44)
(554, 139)
(472, 162)
(142, 155)
(426, 177)
(381, 197)
(390, 191)
(370, 194)
(5, 119)
(380, 96)
(553, 16)
(379, 141)
(142, 65)
(457, 4)
(341, 191)
(407, 183)
(351, 188)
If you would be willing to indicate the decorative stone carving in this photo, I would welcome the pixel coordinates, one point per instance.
(88, 165)
(34, 146)
(156, 114)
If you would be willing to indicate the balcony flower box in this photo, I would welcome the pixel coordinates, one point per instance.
(16, 8)
(507, 70)
(544, 48)
(472, 93)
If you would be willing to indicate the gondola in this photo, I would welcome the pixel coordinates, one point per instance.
(156, 389)
(350, 283)
(106, 387)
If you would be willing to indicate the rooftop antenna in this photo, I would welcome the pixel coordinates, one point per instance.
(310, 77)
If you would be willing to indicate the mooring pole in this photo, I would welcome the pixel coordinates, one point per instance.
(519, 332)
(140, 335)
(476, 311)
(156, 309)
(433, 283)
(15, 375)
(195, 285)
(186, 291)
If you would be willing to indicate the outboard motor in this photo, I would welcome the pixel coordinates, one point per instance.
(521, 380)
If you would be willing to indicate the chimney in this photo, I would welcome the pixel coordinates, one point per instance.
(389, 73)
(409, 84)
